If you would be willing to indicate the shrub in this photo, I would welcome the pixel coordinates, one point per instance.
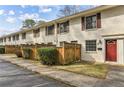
(27, 53)
(48, 56)
(2, 50)
(18, 53)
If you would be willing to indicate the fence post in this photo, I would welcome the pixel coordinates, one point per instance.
(75, 52)
(80, 51)
(5, 49)
(35, 47)
(64, 46)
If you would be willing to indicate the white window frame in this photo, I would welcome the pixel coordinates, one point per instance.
(36, 35)
(68, 27)
(14, 38)
(86, 46)
(47, 30)
(17, 37)
(10, 38)
(23, 36)
(86, 22)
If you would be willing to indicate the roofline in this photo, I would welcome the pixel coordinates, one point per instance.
(79, 14)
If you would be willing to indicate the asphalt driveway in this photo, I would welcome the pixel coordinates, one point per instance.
(15, 76)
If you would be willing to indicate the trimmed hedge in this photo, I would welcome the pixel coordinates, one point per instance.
(18, 53)
(48, 56)
(2, 50)
(27, 53)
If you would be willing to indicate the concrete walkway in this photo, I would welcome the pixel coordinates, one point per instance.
(14, 76)
(114, 78)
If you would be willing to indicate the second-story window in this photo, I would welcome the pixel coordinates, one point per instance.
(4, 39)
(64, 27)
(23, 35)
(13, 38)
(91, 22)
(1, 40)
(50, 30)
(36, 33)
(17, 37)
(9, 38)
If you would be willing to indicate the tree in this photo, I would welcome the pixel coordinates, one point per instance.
(28, 23)
(68, 10)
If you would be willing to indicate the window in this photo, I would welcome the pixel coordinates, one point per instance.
(23, 35)
(1, 40)
(17, 37)
(9, 38)
(64, 27)
(13, 38)
(50, 30)
(36, 33)
(91, 22)
(90, 45)
(4, 39)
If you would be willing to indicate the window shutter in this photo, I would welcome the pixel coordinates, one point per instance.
(68, 24)
(46, 30)
(58, 28)
(98, 20)
(53, 30)
(83, 23)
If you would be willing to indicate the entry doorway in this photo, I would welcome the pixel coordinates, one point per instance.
(111, 50)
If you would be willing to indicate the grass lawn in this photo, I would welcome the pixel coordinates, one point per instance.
(97, 70)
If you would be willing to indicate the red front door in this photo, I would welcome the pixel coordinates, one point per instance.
(111, 50)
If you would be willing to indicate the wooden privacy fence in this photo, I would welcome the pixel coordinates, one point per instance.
(67, 52)
(11, 49)
(34, 55)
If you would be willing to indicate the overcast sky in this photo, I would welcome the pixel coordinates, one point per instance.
(11, 16)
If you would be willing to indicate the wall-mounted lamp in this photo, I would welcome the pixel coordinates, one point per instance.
(100, 42)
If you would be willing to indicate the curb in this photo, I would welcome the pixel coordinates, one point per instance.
(60, 80)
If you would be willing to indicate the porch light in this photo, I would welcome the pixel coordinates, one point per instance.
(100, 42)
(99, 46)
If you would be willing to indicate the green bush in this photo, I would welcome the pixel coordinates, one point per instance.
(48, 56)
(2, 50)
(18, 53)
(27, 53)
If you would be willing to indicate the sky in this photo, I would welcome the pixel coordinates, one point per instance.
(12, 16)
